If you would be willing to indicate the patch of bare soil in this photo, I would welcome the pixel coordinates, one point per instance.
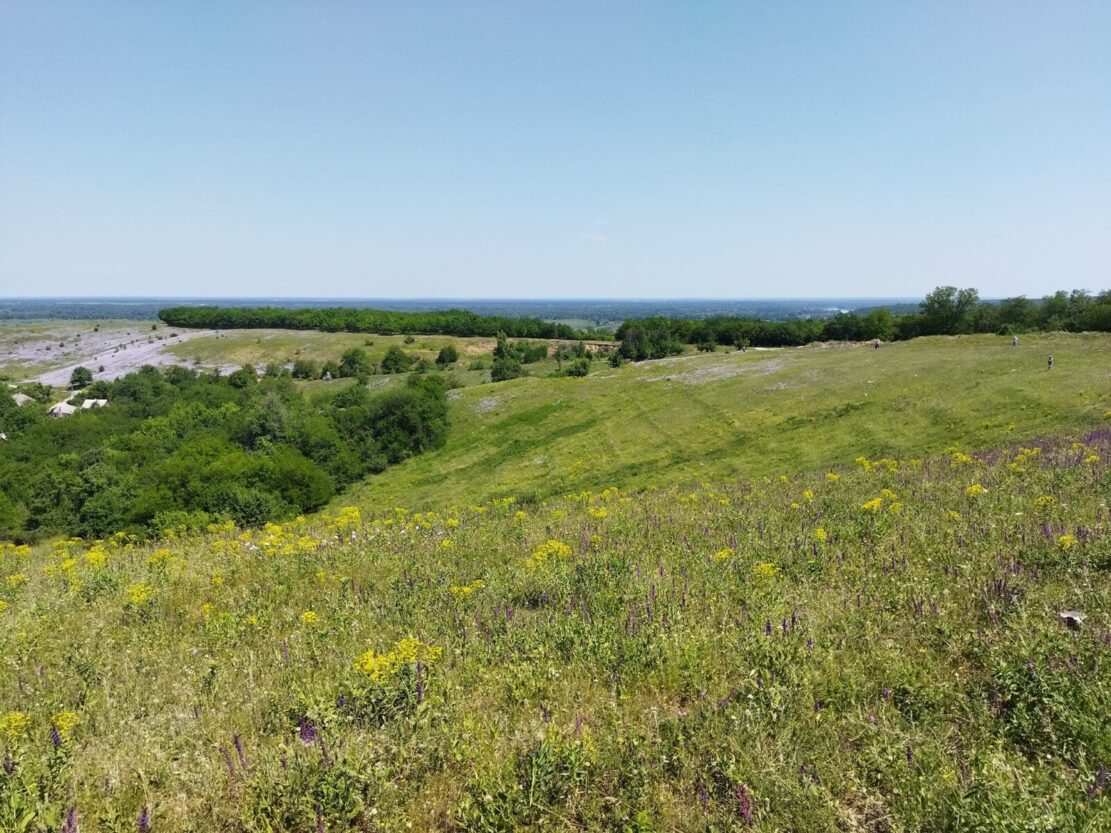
(118, 351)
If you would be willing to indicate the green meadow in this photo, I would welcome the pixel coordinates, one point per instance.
(800, 589)
(722, 415)
(877, 646)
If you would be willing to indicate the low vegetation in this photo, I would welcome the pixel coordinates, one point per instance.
(715, 416)
(874, 646)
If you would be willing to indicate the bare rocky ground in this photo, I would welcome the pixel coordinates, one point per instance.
(50, 354)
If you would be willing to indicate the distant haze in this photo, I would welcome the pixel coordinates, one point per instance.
(598, 311)
(564, 149)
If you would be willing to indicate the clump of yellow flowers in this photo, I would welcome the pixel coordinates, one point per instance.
(461, 591)
(14, 725)
(381, 667)
(65, 723)
(549, 549)
(765, 571)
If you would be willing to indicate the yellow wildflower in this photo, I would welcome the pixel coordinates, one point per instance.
(820, 535)
(14, 725)
(545, 551)
(138, 594)
(17, 580)
(724, 554)
(447, 544)
(975, 490)
(872, 505)
(96, 558)
(380, 667)
(65, 722)
(833, 476)
(309, 619)
(1066, 542)
(765, 571)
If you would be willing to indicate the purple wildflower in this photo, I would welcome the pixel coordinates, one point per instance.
(306, 731)
(70, 825)
(768, 628)
(144, 821)
(228, 761)
(420, 682)
(910, 754)
(1099, 783)
(319, 819)
(744, 802)
(9, 764)
(703, 797)
(239, 752)
(55, 736)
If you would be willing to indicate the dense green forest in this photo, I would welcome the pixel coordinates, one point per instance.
(175, 448)
(453, 322)
(945, 311)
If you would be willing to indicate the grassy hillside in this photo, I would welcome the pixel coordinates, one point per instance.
(872, 648)
(745, 414)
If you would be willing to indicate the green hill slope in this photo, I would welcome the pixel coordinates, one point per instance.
(743, 414)
(878, 648)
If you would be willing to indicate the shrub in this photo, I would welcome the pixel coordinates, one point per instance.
(448, 355)
(396, 360)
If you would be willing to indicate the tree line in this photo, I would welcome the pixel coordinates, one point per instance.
(454, 322)
(945, 311)
(178, 448)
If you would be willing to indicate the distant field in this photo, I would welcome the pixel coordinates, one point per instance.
(49, 350)
(732, 414)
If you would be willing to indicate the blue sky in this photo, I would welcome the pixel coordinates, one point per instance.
(522, 149)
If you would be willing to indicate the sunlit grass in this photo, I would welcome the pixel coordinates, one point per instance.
(873, 645)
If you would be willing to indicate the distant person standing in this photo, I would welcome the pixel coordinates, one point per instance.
(1014, 341)
(1050, 363)
(877, 344)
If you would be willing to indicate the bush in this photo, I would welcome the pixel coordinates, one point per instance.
(355, 363)
(305, 369)
(80, 377)
(505, 369)
(448, 355)
(579, 367)
(396, 360)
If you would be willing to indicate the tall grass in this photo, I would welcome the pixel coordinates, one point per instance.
(872, 647)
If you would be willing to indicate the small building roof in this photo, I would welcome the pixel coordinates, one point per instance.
(21, 399)
(62, 409)
(94, 403)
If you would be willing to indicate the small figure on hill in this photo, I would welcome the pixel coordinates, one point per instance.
(1014, 341)
(1050, 363)
(877, 345)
